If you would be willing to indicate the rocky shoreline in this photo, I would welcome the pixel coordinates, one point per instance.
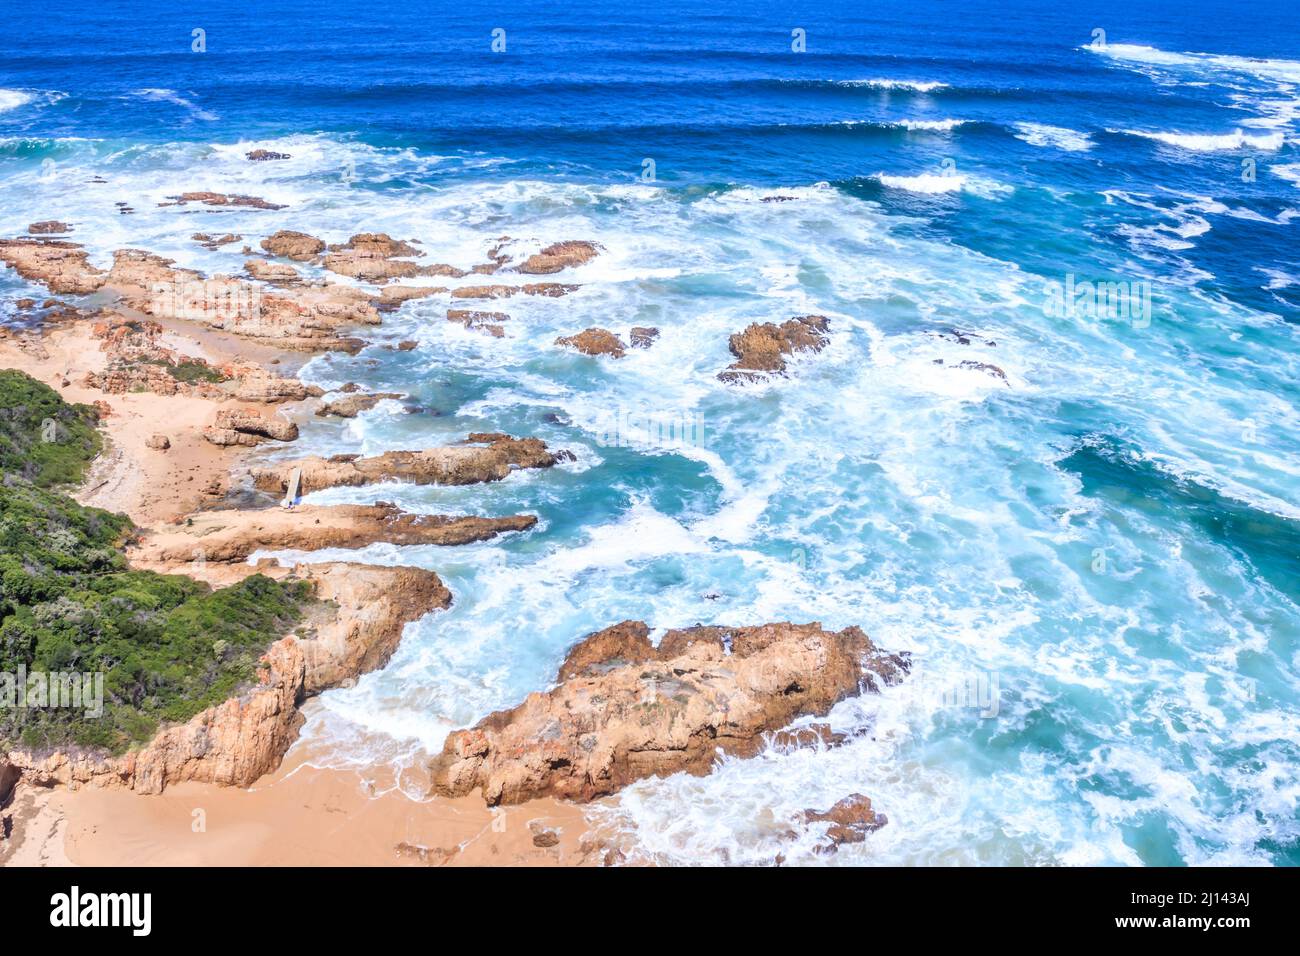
(164, 355)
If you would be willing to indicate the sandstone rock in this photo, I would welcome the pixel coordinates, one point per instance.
(48, 227)
(257, 385)
(490, 460)
(642, 337)
(158, 442)
(549, 289)
(407, 345)
(613, 721)
(489, 322)
(215, 242)
(545, 838)
(595, 341)
(373, 257)
(252, 423)
(390, 297)
(560, 256)
(220, 199)
(293, 245)
(236, 742)
(234, 535)
(276, 272)
(762, 347)
(350, 405)
(803, 738)
(851, 820)
(62, 267)
(262, 155)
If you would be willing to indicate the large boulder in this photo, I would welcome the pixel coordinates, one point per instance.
(625, 710)
(761, 349)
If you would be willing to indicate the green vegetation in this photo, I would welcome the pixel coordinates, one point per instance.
(42, 437)
(167, 645)
(190, 371)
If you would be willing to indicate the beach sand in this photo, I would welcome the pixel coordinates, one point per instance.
(297, 816)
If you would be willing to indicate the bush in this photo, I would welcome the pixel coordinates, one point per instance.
(167, 645)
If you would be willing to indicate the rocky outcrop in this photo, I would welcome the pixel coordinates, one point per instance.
(293, 245)
(391, 297)
(643, 336)
(559, 256)
(208, 241)
(373, 257)
(9, 775)
(349, 406)
(239, 426)
(236, 742)
(850, 820)
(254, 384)
(761, 349)
(549, 289)
(487, 322)
(220, 199)
(308, 317)
(62, 267)
(49, 227)
(625, 710)
(490, 458)
(595, 341)
(263, 155)
(234, 535)
(274, 272)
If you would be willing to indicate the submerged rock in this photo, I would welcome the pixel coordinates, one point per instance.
(349, 406)
(560, 256)
(624, 710)
(488, 322)
(47, 227)
(851, 820)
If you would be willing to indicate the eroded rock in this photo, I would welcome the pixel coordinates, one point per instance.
(624, 711)
(595, 341)
(559, 256)
(761, 349)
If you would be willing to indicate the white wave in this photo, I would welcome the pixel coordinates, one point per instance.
(1289, 171)
(1285, 71)
(943, 125)
(12, 99)
(171, 96)
(918, 86)
(1040, 134)
(1210, 142)
(947, 182)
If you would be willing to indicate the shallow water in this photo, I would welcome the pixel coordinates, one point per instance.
(1096, 563)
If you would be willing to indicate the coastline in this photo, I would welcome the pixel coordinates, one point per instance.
(296, 813)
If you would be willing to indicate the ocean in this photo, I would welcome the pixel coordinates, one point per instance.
(1087, 535)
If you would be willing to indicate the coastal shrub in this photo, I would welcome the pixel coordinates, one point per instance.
(43, 438)
(168, 646)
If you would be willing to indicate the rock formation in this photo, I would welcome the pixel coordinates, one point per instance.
(234, 535)
(595, 341)
(293, 245)
(489, 459)
(559, 256)
(489, 322)
(349, 406)
(241, 739)
(625, 710)
(762, 347)
(238, 426)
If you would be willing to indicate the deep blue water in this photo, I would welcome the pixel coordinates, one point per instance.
(1111, 536)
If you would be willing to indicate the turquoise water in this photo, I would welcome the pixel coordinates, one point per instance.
(1094, 562)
